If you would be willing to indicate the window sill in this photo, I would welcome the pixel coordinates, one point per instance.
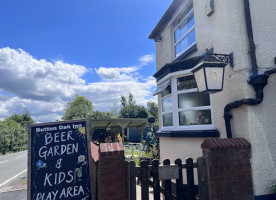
(189, 133)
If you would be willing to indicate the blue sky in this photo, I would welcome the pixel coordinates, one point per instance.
(51, 50)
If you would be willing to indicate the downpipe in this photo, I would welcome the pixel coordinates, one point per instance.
(258, 82)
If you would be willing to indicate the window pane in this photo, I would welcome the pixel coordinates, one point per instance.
(168, 119)
(184, 27)
(185, 43)
(166, 91)
(167, 104)
(187, 82)
(195, 99)
(196, 117)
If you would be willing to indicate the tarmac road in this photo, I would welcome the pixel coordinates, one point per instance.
(13, 176)
(12, 165)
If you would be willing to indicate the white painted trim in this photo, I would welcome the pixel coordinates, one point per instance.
(186, 72)
(183, 20)
(177, 42)
(183, 50)
(194, 108)
(188, 128)
(162, 87)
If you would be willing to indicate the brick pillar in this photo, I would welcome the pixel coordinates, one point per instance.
(111, 172)
(228, 168)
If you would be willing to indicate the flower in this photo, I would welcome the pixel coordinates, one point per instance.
(39, 163)
(81, 158)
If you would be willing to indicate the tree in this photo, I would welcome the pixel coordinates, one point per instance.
(24, 119)
(114, 111)
(123, 101)
(153, 110)
(79, 108)
(14, 133)
(129, 108)
(100, 115)
(131, 100)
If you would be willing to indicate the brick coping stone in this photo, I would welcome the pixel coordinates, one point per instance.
(225, 144)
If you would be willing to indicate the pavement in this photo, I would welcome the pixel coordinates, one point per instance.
(12, 165)
(16, 189)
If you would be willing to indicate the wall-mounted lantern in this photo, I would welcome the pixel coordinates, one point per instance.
(209, 72)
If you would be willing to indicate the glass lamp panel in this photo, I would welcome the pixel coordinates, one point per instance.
(214, 76)
(200, 80)
(167, 104)
(195, 117)
(185, 83)
(195, 99)
(168, 119)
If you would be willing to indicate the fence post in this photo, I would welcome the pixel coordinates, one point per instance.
(127, 164)
(202, 182)
(156, 181)
(144, 172)
(132, 180)
(167, 184)
(179, 182)
(190, 178)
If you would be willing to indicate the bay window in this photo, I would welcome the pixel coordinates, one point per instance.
(182, 107)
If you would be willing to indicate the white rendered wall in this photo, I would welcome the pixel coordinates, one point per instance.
(225, 31)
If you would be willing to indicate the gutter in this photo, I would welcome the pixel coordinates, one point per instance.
(257, 81)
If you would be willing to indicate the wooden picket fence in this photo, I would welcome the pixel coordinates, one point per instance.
(151, 175)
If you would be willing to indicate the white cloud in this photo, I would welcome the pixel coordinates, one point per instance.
(115, 73)
(44, 88)
(146, 59)
(29, 78)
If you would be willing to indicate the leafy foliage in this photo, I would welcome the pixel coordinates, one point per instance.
(14, 133)
(79, 108)
(129, 108)
(153, 110)
(100, 115)
(24, 119)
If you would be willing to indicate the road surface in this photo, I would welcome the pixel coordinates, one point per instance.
(12, 166)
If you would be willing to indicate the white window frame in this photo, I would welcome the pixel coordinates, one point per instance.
(168, 111)
(175, 110)
(175, 43)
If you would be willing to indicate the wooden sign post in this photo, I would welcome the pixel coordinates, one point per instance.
(58, 161)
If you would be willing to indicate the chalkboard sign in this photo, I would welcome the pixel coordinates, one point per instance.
(58, 163)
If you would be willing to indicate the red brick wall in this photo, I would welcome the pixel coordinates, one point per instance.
(111, 172)
(229, 168)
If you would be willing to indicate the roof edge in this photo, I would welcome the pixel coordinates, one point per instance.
(165, 19)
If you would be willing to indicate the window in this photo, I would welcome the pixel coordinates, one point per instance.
(193, 108)
(183, 107)
(184, 32)
(167, 106)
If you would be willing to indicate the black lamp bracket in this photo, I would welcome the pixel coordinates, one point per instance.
(226, 58)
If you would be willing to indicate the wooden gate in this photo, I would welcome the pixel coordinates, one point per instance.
(152, 174)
